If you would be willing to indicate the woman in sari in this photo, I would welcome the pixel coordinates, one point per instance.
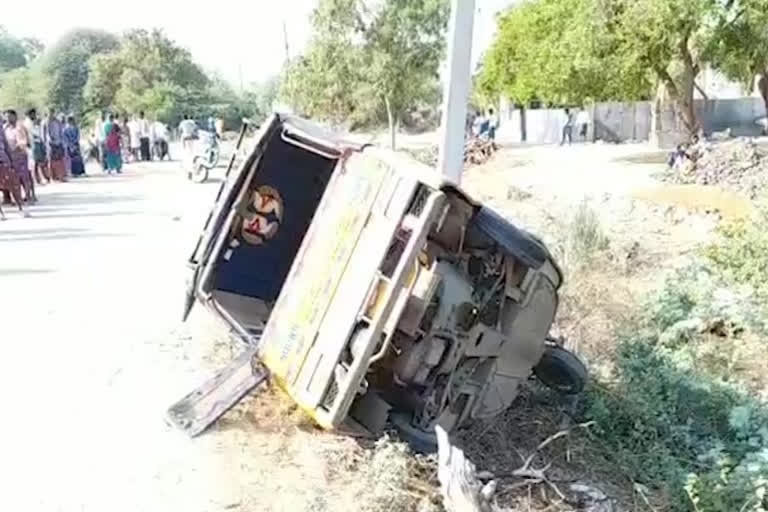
(113, 143)
(53, 134)
(8, 180)
(72, 145)
(18, 140)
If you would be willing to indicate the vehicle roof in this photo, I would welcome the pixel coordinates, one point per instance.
(412, 167)
(401, 161)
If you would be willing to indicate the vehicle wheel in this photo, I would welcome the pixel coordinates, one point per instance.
(419, 440)
(561, 371)
(199, 173)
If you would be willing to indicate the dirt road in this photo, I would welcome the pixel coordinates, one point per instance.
(92, 353)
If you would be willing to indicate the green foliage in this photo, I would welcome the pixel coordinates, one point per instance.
(12, 52)
(19, 86)
(677, 418)
(740, 46)
(583, 239)
(560, 52)
(21, 89)
(571, 51)
(369, 61)
(64, 67)
(255, 103)
(741, 252)
(150, 73)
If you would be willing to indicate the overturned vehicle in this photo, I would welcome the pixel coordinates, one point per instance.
(371, 290)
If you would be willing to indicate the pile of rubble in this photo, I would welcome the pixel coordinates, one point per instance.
(737, 164)
(426, 155)
(477, 151)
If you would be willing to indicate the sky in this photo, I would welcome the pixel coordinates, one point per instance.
(241, 40)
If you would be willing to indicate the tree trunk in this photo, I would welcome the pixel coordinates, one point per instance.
(392, 120)
(657, 129)
(523, 125)
(762, 86)
(684, 93)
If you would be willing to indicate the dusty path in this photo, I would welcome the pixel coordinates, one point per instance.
(92, 352)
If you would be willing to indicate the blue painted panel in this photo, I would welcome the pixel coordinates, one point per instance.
(283, 197)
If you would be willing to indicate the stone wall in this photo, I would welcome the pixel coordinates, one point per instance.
(632, 121)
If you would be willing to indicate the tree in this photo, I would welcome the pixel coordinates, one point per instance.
(322, 82)
(670, 38)
(65, 67)
(740, 47)
(406, 41)
(369, 59)
(568, 51)
(12, 52)
(148, 72)
(33, 48)
(559, 52)
(20, 90)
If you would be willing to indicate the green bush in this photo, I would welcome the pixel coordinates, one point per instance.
(741, 252)
(673, 420)
(697, 441)
(582, 240)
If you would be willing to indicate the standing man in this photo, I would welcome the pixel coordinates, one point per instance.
(8, 179)
(188, 129)
(481, 124)
(53, 135)
(18, 141)
(567, 128)
(34, 129)
(493, 124)
(144, 134)
(582, 122)
(160, 138)
(134, 137)
(469, 124)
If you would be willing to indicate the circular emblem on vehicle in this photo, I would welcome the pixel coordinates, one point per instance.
(262, 217)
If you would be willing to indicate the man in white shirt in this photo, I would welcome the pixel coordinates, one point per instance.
(188, 131)
(100, 137)
(144, 134)
(160, 140)
(582, 122)
(134, 138)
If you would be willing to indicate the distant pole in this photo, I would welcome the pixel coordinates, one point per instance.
(456, 92)
(285, 39)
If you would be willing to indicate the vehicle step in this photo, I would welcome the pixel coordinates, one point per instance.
(199, 409)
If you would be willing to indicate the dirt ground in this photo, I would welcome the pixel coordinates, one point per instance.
(92, 351)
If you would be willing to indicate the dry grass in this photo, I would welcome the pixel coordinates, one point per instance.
(503, 444)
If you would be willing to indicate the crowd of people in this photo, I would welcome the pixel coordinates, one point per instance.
(115, 142)
(480, 124)
(36, 151)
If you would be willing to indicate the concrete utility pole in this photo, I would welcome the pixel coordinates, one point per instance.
(285, 40)
(451, 157)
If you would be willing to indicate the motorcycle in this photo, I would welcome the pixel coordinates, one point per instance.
(206, 156)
